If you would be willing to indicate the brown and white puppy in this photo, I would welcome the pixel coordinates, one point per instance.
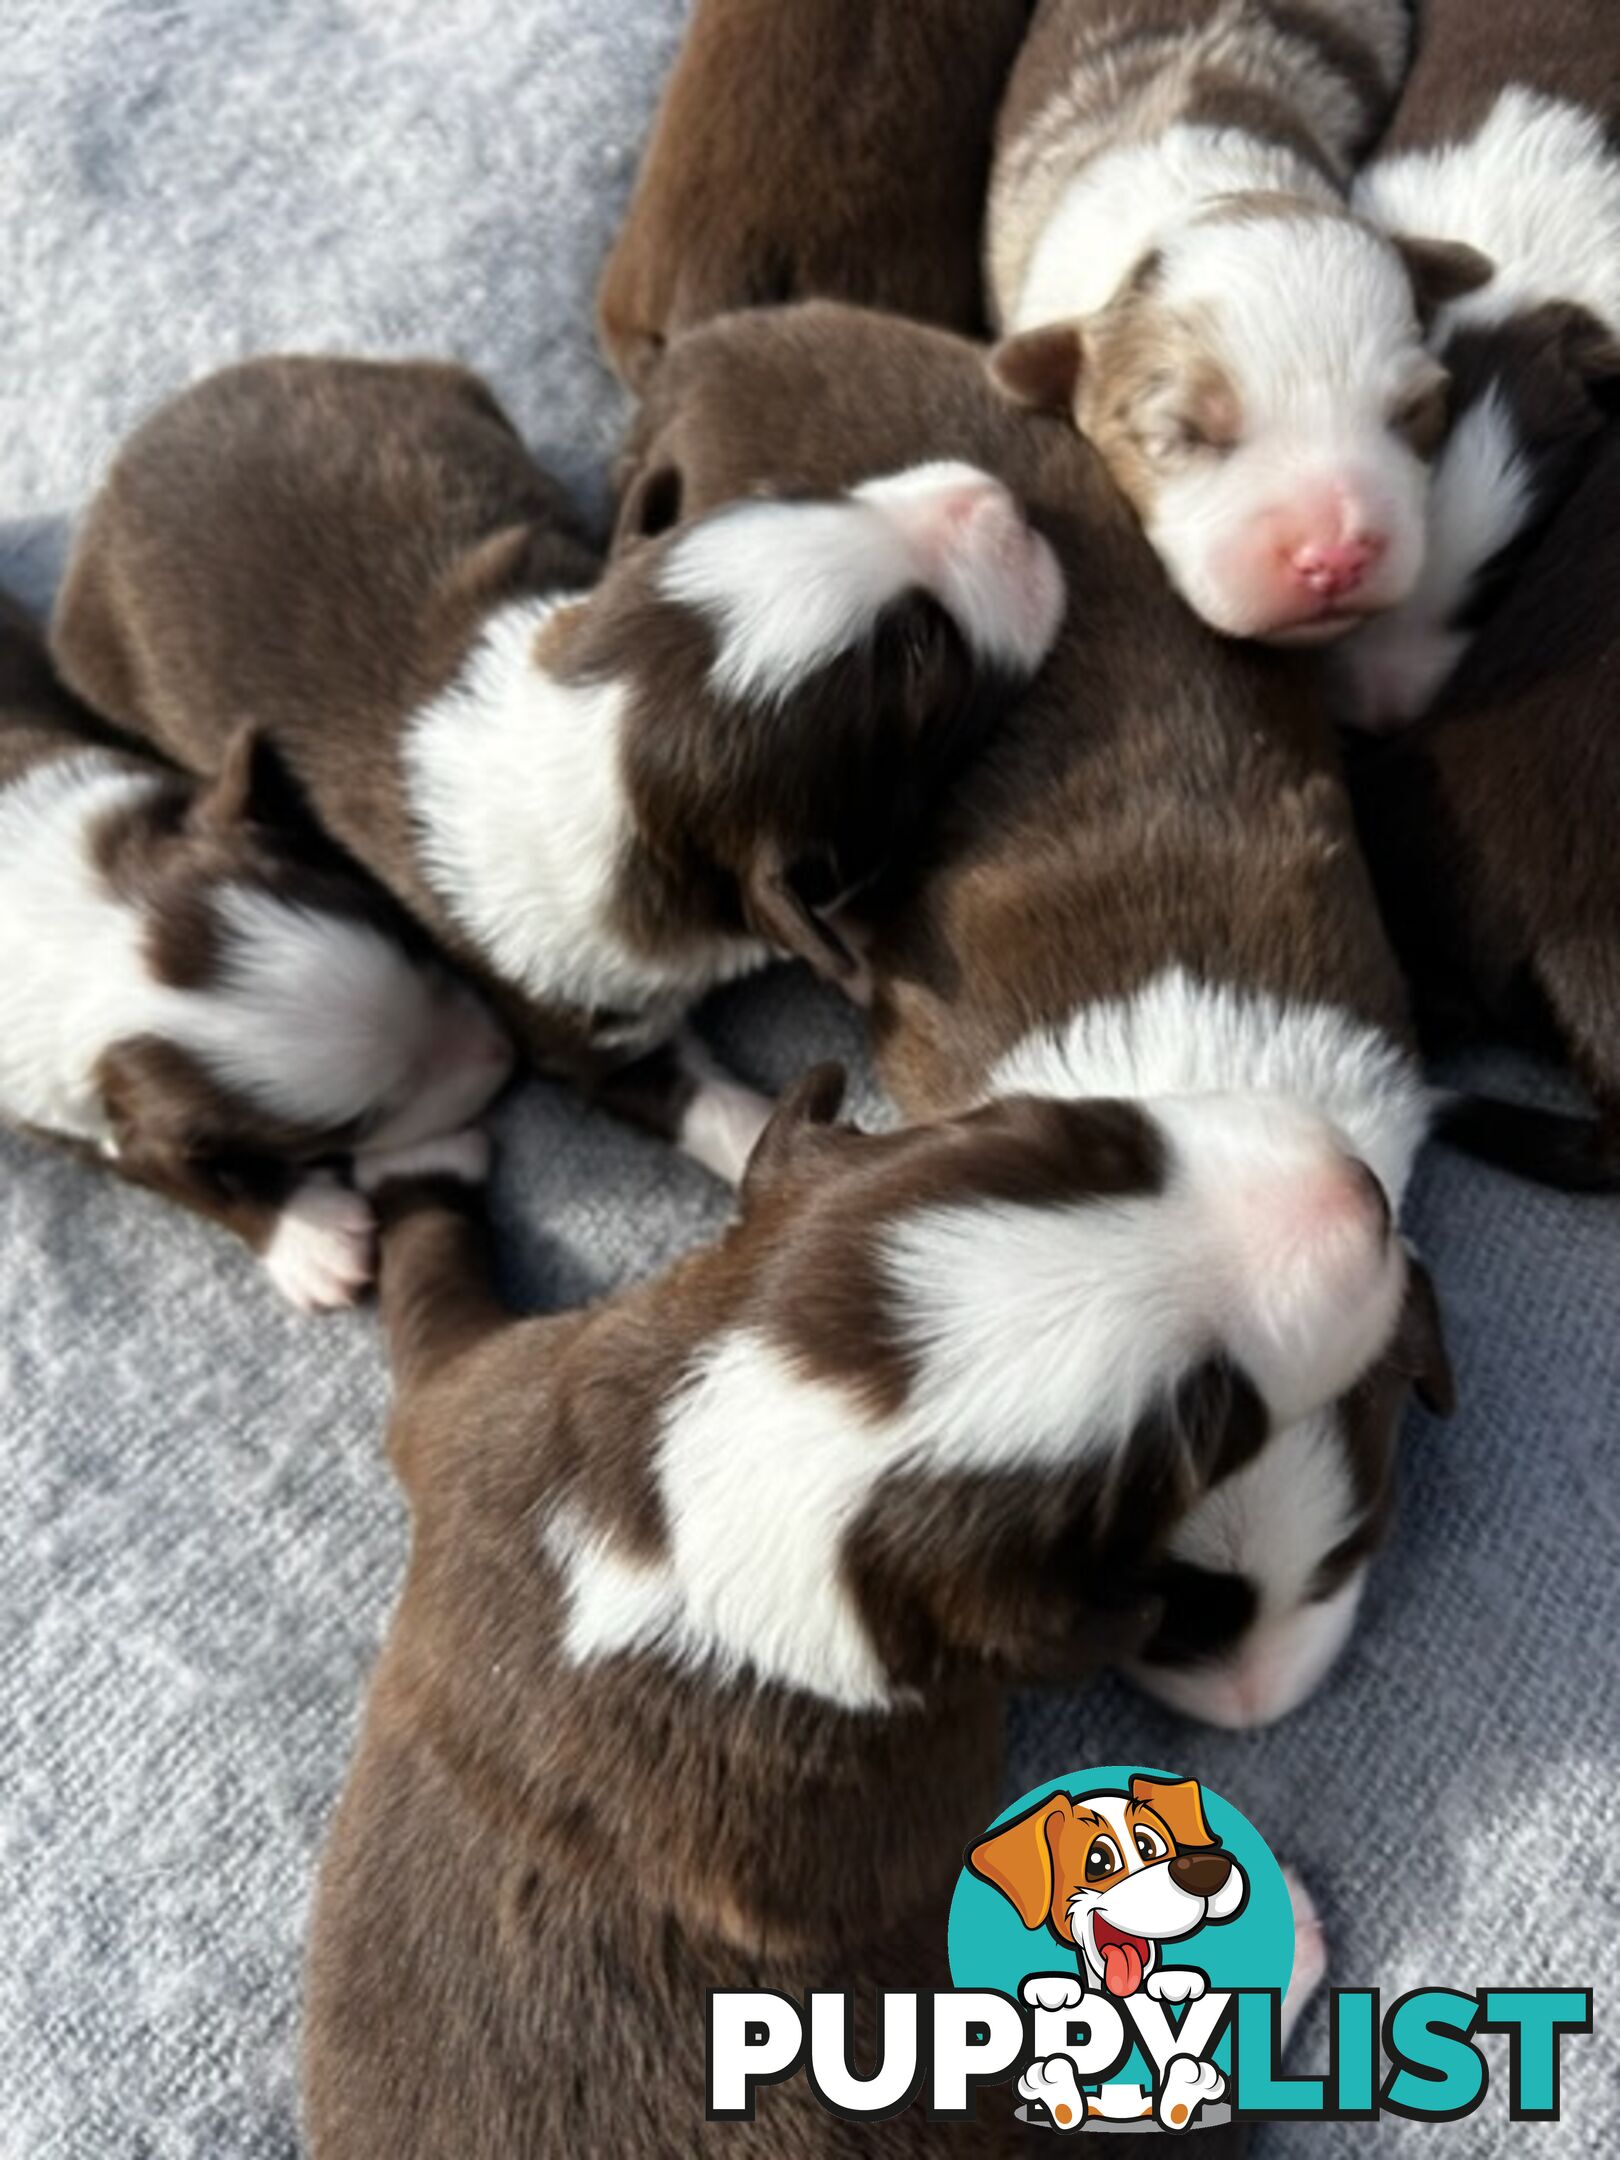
(695, 1680)
(813, 151)
(188, 995)
(1146, 885)
(1507, 139)
(1490, 826)
(601, 802)
(1172, 258)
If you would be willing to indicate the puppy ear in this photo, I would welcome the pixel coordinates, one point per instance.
(1442, 270)
(1017, 1860)
(252, 787)
(809, 1109)
(651, 505)
(1594, 355)
(780, 913)
(1420, 1343)
(1180, 1804)
(1040, 368)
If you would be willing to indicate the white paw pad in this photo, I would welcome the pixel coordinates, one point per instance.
(1177, 1984)
(1054, 2084)
(320, 1254)
(463, 1156)
(1053, 1991)
(1188, 2084)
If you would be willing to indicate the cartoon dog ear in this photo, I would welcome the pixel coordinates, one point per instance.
(1017, 1859)
(1040, 368)
(1179, 1803)
(1420, 1343)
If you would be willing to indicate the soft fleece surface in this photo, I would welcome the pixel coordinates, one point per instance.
(199, 1541)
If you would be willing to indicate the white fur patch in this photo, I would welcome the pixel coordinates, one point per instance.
(1482, 493)
(517, 791)
(1537, 189)
(792, 585)
(723, 1119)
(320, 1254)
(1179, 1036)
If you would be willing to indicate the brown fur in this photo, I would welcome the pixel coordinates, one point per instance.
(813, 151)
(1467, 54)
(1491, 822)
(538, 1870)
(176, 1130)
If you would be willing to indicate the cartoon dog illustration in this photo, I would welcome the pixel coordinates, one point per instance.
(1113, 1875)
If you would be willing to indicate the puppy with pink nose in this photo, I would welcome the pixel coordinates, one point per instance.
(1173, 261)
(602, 799)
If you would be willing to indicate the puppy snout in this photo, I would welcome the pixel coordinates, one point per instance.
(1200, 1874)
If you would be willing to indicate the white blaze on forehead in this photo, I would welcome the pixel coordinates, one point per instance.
(1178, 1035)
(792, 585)
(1482, 492)
(1537, 189)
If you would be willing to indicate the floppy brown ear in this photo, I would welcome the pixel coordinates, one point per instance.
(1442, 270)
(1420, 1343)
(780, 913)
(252, 786)
(1179, 1803)
(651, 504)
(1017, 1860)
(810, 1106)
(1040, 368)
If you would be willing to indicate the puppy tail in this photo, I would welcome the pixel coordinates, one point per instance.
(436, 1283)
(1556, 1148)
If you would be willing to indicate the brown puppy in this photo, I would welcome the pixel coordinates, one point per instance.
(1490, 826)
(695, 1678)
(601, 802)
(191, 994)
(1147, 884)
(813, 151)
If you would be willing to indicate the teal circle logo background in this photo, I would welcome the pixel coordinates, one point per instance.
(990, 1947)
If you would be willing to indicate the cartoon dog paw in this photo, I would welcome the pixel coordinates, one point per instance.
(1054, 2084)
(1053, 1991)
(1188, 2084)
(1177, 1984)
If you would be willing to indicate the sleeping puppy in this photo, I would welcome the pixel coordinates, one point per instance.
(188, 995)
(1146, 885)
(813, 151)
(1507, 139)
(1490, 827)
(1172, 260)
(695, 1679)
(600, 802)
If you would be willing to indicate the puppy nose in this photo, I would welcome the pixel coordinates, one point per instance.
(1331, 569)
(1200, 1874)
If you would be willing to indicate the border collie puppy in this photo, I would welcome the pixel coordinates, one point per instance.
(188, 995)
(817, 151)
(602, 800)
(715, 1587)
(1506, 140)
(1173, 260)
(1146, 886)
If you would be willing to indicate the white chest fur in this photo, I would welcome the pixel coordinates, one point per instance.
(515, 783)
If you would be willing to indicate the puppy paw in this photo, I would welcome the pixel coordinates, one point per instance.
(1053, 1991)
(1188, 2084)
(1310, 1953)
(321, 1252)
(464, 1156)
(1177, 1984)
(720, 1125)
(1054, 2086)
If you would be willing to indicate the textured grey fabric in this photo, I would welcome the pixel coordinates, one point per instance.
(199, 1541)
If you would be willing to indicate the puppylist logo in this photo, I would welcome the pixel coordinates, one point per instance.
(1121, 1946)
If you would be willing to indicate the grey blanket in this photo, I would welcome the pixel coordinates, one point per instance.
(199, 1541)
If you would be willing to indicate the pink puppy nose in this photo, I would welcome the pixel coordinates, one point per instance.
(1332, 568)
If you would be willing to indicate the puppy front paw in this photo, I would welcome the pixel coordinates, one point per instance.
(1053, 2085)
(1053, 1991)
(1177, 1984)
(321, 1253)
(1188, 2084)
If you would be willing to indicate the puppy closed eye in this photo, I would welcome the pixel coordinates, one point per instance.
(1421, 415)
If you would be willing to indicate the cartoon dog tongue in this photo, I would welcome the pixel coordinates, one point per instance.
(1122, 1967)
